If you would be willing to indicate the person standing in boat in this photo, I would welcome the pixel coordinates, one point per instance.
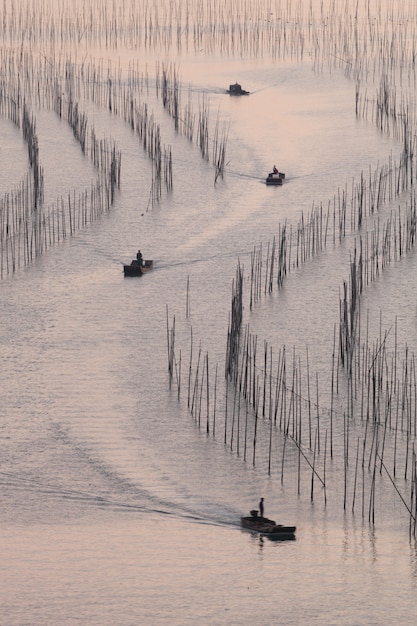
(275, 170)
(139, 258)
(261, 507)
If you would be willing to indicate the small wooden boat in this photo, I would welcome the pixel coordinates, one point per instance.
(236, 90)
(268, 527)
(275, 178)
(135, 269)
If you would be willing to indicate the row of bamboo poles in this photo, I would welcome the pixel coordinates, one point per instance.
(27, 228)
(275, 414)
(266, 403)
(59, 84)
(267, 406)
(296, 244)
(361, 38)
(168, 83)
(32, 236)
(107, 90)
(272, 414)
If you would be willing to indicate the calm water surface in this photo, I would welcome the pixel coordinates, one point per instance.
(116, 505)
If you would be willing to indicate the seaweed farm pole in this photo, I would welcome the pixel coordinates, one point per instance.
(208, 393)
(415, 495)
(345, 461)
(356, 476)
(190, 366)
(238, 426)
(309, 399)
(412, 527)
(314, 467)
(363, 469)
(214, 402)
(195, 391)
(271, 272)
(251, 281)
(270, 385)
(265, 375)
(201, 391)
(270, 416)
(246, 428)
(332, 393)
(256, 425)
(179, 376)
(283, 458)
(318, 413)
(415, 394)
(371, 515)
(324, 468)
(168, 348)
(242, 369)
(299, 457)
(225, 412)
(233, 417)
(270, 447)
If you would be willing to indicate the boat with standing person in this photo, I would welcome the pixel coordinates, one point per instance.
(275, 177)
(265, 526)
(236, 90)
(138, 266)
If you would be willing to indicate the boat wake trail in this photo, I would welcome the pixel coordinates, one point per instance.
(32, 489)
(243, 175)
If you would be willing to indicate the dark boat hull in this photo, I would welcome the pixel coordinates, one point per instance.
(275, 179)
(240, 93)
(266, 526)
(134, 269)
(236, 90)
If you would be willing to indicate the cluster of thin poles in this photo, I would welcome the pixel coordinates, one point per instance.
(360, 40)
(381, 390)
(27, 228)
(263, 398)
(273, 406)
(169, 85)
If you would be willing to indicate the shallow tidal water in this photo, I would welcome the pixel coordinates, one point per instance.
(120, 505)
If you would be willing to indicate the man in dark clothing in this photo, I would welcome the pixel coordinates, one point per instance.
(139, 258)
(261, 507)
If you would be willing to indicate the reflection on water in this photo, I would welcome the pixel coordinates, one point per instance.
(148, 567)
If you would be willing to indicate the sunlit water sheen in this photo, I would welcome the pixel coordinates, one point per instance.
(116, 506)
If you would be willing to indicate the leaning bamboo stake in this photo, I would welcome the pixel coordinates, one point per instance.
(190, 368)
(201, 391)
(356, 476)
(299, 460)
(196, 380)
(324, 469)
(207, 394)
(313, 468)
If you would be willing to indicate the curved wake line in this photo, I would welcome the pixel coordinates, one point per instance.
(95, 500)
